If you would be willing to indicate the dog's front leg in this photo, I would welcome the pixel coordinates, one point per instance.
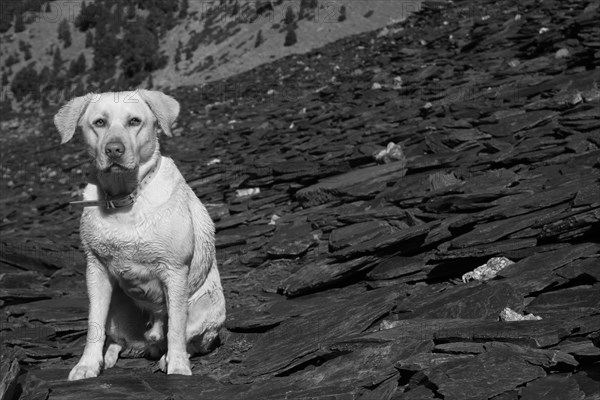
(99, 289)
(176, 286)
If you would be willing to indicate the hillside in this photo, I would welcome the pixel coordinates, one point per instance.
(411, 213)
(51, 50)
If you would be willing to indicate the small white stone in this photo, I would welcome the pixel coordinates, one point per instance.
(393, 152)
(508, 315)
(562, 53)
(488, 270)
(247, 192)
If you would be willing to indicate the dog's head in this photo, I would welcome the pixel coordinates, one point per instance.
(119, 128)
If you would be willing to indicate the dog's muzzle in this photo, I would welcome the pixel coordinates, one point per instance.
(114, 150)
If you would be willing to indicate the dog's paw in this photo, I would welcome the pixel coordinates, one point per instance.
(177, 364)
(162, 363)
(84, 371)
(112, 355)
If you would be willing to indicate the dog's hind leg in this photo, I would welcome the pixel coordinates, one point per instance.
(206, 315)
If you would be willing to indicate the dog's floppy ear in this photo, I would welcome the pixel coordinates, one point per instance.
(67, 118)
(165, 108)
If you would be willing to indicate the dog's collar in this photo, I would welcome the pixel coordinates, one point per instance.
(123, 201)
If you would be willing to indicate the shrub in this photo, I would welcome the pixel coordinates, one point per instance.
(90, 15)
(263, 6)
(11, 60)
(25, 49)
(307, 8)
(130, 10)
(26, 83)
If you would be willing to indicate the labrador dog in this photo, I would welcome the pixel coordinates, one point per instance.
(152, 277)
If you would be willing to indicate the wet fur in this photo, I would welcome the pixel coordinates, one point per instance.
(152, 276)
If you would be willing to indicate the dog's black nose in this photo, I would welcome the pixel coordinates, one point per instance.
(114, 150)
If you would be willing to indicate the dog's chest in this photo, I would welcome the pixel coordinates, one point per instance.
(130, 251)
(124, 237)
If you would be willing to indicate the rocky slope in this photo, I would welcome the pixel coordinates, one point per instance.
(346, 260)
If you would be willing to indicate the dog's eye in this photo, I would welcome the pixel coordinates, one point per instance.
(100, 122)
(134, 121)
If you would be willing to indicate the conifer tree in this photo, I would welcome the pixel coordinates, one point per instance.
(77, 66)
(259, 39)
(289, 16)
(89, 39)
(64, 33)
(57, 61)
(342, 16)
(290, 36)
(19, 25)
(183, 8)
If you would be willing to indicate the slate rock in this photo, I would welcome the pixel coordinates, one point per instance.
(329, 188)
(368, 213)
(18, 287)
(582, 349)
(64, 309)
(237, 236)
(129, 386)
(460, 348)
(291, 241)
(531, 333)
(483, 376)
(418, 393)
(519, 122)
(295, 341)
(479, 301)
(322, 274)
(581, 300)
(397, 266)
(242, 320)
(588, 382)
(354, 234)
(536, 272)
(9, 373)
(557, 386)
(394, 241)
